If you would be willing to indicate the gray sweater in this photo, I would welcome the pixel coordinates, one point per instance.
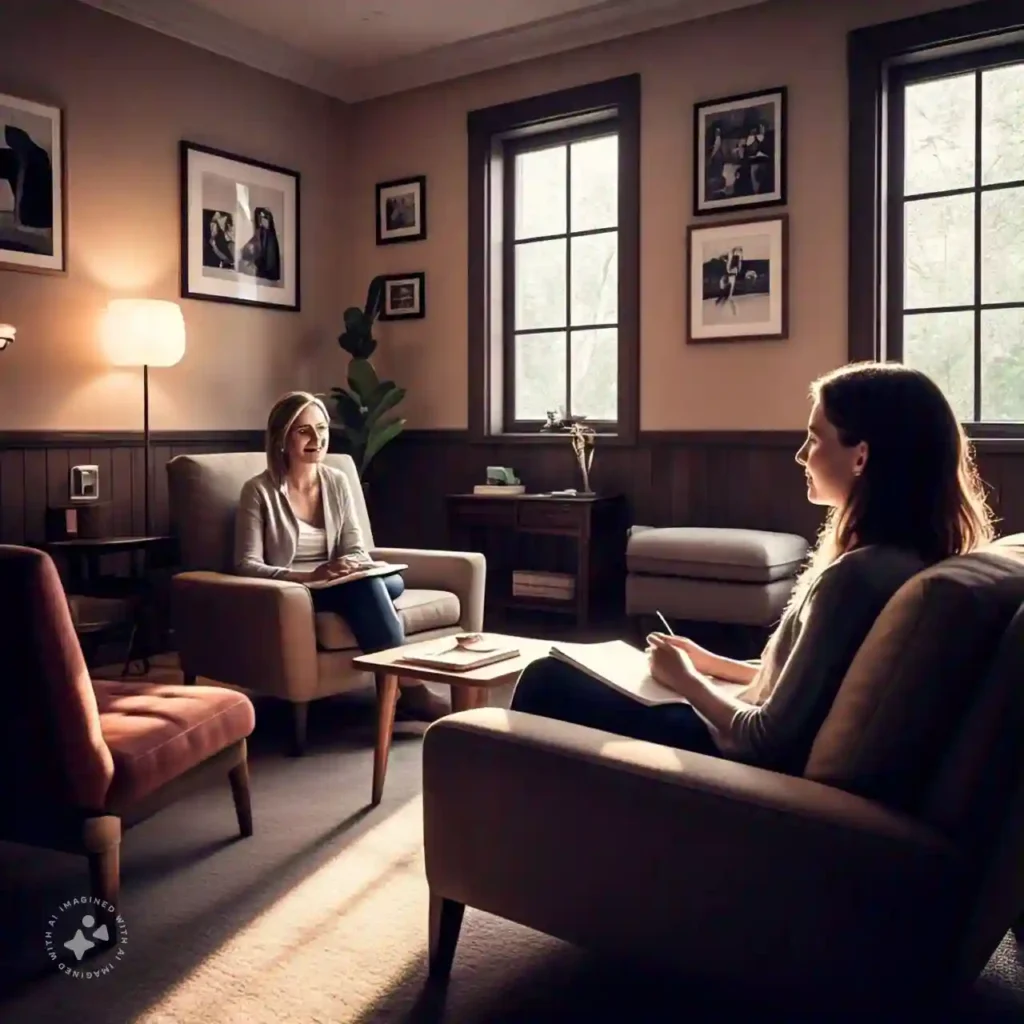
(267, 529)
(807, 657)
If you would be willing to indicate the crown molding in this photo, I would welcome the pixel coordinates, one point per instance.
(613, 19)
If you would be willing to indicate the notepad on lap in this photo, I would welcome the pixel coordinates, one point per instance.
(360, 574)
(620, 666)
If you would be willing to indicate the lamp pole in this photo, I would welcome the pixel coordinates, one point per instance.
(145, 444)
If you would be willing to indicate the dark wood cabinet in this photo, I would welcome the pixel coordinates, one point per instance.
(579, 538)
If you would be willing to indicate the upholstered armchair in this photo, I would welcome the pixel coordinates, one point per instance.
(84, 759)
(892, 868)
(262, 634)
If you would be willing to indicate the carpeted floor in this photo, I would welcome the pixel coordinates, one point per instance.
(321, 916)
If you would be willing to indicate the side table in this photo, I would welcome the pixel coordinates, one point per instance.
(83, 560)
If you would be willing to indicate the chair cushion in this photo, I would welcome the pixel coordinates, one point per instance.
(419, 610)
(750, 556)
(916, 676)
(156, 733)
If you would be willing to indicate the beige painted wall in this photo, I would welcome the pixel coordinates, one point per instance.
(797, 43)
(129, 95)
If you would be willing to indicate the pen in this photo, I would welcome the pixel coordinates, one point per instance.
(664, 622)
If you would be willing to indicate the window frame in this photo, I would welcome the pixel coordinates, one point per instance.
(494, 135)
(880, 59)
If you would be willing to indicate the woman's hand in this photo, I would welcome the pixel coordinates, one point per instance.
(323, 571)
(703, 660)
(671, 664)
(345, 564)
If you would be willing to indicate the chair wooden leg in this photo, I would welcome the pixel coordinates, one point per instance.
(445, 925)
(387, 698)
(105, 873)
(300, 720)
(239, 779)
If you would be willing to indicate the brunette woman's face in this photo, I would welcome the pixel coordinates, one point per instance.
(829, 465)
(308, 437)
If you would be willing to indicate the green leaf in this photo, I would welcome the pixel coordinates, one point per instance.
(349, 409)
(380, 436)
(355, 320)
(387, 401)
(362, 379)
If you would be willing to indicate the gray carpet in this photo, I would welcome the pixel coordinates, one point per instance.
(321, 916)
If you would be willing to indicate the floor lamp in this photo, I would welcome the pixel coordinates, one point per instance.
(144, 332)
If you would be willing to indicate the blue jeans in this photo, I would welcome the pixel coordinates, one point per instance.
(553, 689)
(368, 606)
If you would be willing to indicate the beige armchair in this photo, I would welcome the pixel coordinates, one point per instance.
(893, 867)
(262, 634)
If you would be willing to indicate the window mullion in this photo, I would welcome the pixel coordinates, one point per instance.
(978, 114)
(568, 279)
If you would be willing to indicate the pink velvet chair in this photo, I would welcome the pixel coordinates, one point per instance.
(84, 759)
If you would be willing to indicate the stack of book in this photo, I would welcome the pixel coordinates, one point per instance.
(552, 586)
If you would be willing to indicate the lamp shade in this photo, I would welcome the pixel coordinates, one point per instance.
(143, 332)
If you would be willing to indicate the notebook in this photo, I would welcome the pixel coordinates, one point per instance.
(378, 569)
(451, 658)
(620, 666)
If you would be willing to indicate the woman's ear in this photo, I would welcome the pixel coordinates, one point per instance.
(860, 459)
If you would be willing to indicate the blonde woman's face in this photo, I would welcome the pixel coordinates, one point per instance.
(308, 437)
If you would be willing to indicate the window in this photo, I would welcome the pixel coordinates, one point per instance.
(956, 230)
(554, 261)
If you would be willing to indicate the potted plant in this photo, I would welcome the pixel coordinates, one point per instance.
(362, 408)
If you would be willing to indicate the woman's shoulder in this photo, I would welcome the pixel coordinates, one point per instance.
(258, 485)
(336, 478)
(872, 567)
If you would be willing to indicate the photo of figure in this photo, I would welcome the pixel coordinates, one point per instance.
(219, 240)
(402, 210)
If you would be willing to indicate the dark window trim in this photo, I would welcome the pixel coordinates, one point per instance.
(872, 54)
(618, 98)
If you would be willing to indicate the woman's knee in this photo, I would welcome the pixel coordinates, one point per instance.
(540, 683)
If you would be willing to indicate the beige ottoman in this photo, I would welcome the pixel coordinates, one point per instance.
(704, 574)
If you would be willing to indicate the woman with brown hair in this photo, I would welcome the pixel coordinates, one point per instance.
(886, 454)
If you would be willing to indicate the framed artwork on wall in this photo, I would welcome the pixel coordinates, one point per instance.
(738, 287)
(32, 201)
(405, 297)
(739, 146)
(239, 229)
(402, 210)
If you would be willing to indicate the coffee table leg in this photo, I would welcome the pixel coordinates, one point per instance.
(387, 697)
(465, 698)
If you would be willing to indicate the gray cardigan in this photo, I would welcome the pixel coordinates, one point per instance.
(267, 529)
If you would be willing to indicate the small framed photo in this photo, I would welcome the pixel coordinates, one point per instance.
(402, 210)
(239, 230)
(32, 203)
(740, 151)
(405, 297)
(738, 287)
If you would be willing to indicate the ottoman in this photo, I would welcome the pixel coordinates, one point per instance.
(705, 574)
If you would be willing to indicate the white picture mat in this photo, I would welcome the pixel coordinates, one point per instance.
(245, 287)
(382, 212)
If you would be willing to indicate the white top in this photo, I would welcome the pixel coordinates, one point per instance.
(312, 543)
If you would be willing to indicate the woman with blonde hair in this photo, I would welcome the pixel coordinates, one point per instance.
(887, 456)
(297, 521)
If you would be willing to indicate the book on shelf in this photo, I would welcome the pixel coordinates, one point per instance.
(619, 665)
(376, 569)
(499, 490)
(451, 657)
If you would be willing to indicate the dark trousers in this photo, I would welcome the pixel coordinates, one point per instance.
(553, 689)
(368, 606)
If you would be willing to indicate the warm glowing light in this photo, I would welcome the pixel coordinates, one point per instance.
(7, 333)
(143, 332)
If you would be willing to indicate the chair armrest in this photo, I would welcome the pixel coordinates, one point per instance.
(463, 573)
(248, 631)
(709, 864)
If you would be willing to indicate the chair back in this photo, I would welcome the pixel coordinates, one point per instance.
(203, 491)
(51, 744)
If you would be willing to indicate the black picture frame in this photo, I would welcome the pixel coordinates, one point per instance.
(405, 190)
(417, 308)
(274, 192)
(726, 166)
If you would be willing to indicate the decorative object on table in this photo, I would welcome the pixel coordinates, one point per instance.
(583, 439)
(362, 408)
(79, 520)
(740, 149)
(144, 332)
(405, 297)
(32, 207)
(239, 229)
(501, 482)
(402, 210)
(739, 281)
(8, 332)
(84, 483)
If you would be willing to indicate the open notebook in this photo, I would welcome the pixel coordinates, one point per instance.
(620, 666)
(377, 569)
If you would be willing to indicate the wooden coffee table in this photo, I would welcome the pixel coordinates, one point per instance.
(468, 689)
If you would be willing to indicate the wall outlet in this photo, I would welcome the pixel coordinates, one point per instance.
(85, 483)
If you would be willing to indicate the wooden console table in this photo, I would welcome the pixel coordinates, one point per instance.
(593, 529)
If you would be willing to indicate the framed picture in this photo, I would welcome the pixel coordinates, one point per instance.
(32, 204)
(738, 287)
(239, 229)
(740, 151)
(402, 210)
(405, 297)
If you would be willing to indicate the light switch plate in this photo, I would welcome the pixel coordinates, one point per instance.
(85, 483)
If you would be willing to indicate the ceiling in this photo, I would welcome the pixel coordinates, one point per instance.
(359, 49)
